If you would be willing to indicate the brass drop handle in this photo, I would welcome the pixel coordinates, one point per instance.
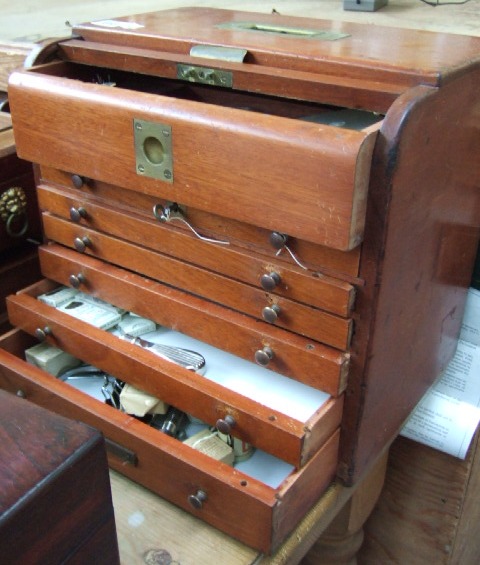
(271, 313)
(81, 243)
(78, 181)
(270, 281)
(225, 425)
(77, 280)
(76, 214)
(196, 500)
(264, 356)
(42, 333)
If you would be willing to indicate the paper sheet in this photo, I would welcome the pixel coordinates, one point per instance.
(448, 415)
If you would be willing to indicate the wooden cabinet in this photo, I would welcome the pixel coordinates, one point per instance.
(288, 196)
(56, 504)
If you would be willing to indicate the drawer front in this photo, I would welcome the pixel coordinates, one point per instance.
(280, 312)
(291, 440)
(244, 259)
(296, 357)
(342, 265)
(236, 503)
(265, 170)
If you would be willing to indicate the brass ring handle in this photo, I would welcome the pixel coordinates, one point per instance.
(13, 204)
(23, 229)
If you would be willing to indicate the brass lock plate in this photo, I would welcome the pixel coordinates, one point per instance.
(153, 150)
(204, 75)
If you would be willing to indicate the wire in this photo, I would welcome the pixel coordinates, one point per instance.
(438, 3)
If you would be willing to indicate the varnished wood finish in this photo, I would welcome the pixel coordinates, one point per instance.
(235, 501)
(264, 427)
(245, 174)
(323, 175)
(423, 214)
(413, 57)
(219, 326)
(55, 503)
(247, 258)
(299, 318)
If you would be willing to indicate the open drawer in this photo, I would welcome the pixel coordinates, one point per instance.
(291, 424)
(274, 163)
(246, 508)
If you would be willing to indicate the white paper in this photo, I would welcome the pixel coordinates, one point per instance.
(116, 23)
(448, 415)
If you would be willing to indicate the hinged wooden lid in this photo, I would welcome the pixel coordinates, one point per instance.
(303, 44)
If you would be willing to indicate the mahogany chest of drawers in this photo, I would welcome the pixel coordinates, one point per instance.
(298, 200)
(55, 500)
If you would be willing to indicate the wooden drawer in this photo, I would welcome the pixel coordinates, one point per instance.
(249, 510)
(211, 154)
(294, 356)
(326, 284)
(254, 301)
(209, 398)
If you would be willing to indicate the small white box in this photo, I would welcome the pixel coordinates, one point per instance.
(139, 403)
(51, 359)
(58, 296)
(209, 443)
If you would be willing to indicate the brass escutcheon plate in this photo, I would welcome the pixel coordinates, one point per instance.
(153, 150)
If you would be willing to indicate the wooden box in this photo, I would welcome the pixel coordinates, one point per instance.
(298, 195)
(55, 501)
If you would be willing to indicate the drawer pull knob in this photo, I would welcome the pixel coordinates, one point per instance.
(21, 394)
(278, 241)
(76, 214)
(270, 281)
(225, 425)
(197, 500)
(264, 356)
(81, 243)
(271, 313)
(76, 280)
(42, 333)
(78, 181)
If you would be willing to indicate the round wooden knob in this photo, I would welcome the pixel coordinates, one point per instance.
(264, 356)
(278, 240)
(270, 313)
(41, 333)
(76, 280)
(78, 181)
(197, 499)
(225, 425)
(81, 243)
(270, 281)
(76, 214)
